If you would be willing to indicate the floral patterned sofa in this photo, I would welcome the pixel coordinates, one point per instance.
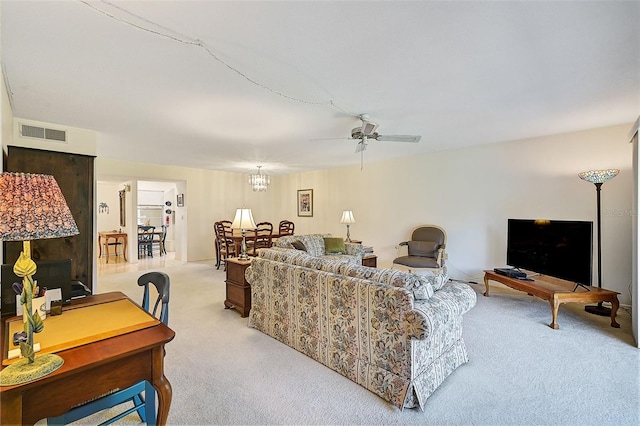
(397, 334)
(314, 245)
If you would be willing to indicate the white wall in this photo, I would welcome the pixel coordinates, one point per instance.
(471, 193)
(6, 124)
(635, 249)
(79, 141)
(209, 196)
(108, 193)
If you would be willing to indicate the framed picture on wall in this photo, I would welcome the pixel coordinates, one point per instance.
(180, 200)
(305, 202)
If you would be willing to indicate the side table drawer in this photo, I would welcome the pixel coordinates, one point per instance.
(238, 289)
(370, 260)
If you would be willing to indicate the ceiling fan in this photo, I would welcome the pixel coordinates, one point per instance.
(367, 131)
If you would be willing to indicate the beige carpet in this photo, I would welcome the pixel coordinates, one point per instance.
(521, 371)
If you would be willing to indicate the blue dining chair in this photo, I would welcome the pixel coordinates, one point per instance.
(145, 404)
(145, 240)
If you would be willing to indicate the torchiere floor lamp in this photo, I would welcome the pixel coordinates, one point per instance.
(598, 177)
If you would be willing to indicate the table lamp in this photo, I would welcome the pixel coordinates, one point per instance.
(243, 221)
(347, 218)
(32, 207)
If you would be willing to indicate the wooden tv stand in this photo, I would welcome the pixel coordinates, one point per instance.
(556, 292)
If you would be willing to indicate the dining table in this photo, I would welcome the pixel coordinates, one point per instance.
(249, 236)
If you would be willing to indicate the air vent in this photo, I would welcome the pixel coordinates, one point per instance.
(43, 133)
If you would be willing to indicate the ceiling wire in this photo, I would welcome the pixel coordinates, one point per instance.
(199, 43)
(7, 86)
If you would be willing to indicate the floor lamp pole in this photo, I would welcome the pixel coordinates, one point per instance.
(598, 177)
(599, 309)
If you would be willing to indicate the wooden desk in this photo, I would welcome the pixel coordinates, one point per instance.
(556, 292)
(106, 236)
(90, 371)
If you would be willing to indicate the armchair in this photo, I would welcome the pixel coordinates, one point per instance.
(426, 249)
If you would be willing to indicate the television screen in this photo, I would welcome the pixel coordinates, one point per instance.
(558, 248)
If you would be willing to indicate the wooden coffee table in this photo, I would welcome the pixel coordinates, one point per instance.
(556, 292)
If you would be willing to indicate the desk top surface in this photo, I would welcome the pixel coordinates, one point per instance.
(81, 325)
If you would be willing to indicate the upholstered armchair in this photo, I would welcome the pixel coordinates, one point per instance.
(425, 250)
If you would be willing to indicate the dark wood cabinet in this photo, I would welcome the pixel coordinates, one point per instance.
(75, 176)
(238, 289)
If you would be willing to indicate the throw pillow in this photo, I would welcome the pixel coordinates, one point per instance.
(334, 245)
(423, 248)
(299, 245)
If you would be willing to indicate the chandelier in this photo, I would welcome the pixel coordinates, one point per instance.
(259, 181)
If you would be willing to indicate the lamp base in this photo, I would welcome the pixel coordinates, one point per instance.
(23, 372)
(598, 309)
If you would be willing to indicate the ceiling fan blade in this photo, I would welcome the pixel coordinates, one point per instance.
(399, 138)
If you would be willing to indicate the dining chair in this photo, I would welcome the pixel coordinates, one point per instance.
(145, 240)
(145, 404)
(285, 227)
(159, 239)
(261, 238)
(224, 244)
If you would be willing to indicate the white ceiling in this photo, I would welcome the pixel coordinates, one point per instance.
(270, 76)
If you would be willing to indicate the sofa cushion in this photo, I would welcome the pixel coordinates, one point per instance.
(299, 245)
(417, 262)
(419, 285)
(314, 244)
(334, 245)
(301, 258)
(423, 248)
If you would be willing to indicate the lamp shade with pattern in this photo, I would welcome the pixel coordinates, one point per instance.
(32, 207)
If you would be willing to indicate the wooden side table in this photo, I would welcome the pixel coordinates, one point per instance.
(238, 289)
(370, 260)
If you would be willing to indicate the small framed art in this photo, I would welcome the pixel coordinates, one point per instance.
(305, 202)
(180, 200)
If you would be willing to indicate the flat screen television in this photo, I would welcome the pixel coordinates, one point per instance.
(558, 248)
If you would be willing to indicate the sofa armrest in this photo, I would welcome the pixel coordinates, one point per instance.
(450, 302)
